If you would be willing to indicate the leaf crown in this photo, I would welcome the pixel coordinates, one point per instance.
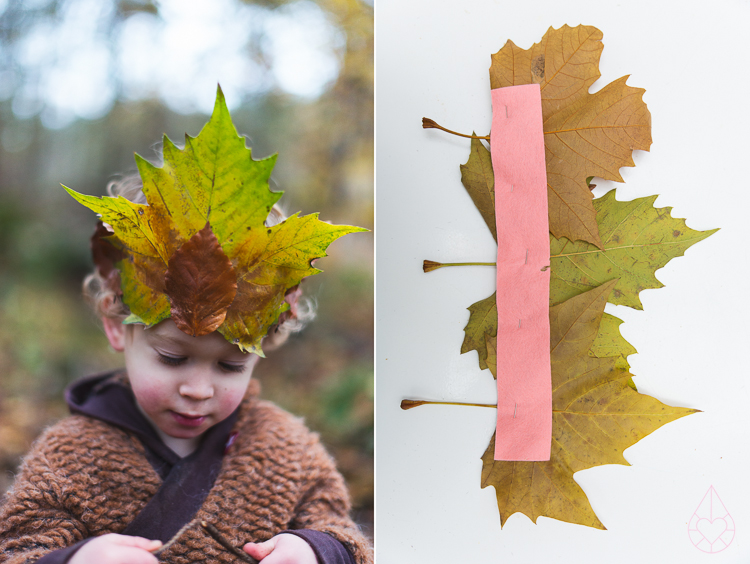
(200, 251)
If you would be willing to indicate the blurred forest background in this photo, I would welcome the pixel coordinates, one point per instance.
(86, 83)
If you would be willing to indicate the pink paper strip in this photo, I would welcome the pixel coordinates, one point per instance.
(524, 380)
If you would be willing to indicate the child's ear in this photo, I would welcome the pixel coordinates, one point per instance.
(115, 331)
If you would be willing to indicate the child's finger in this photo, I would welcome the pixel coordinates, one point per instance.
(259, 550)
(136, 542)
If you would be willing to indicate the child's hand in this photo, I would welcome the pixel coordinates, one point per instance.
(117, 549)
(282, 549)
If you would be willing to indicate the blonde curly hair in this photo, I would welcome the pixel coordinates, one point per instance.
(105, 298)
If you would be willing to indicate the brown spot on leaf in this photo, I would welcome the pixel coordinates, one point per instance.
(537, 68)
(676, 233)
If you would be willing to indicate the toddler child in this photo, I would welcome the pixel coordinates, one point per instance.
(176, 458)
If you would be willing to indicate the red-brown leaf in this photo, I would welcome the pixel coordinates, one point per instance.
(201, 284)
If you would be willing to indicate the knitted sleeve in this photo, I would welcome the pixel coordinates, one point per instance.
(325, 505)
(33, 517)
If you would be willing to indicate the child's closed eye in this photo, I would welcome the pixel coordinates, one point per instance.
(229, 367)
(170, 360)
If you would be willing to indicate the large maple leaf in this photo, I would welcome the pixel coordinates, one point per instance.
(201, 251)
(595, 417)
(584, 134)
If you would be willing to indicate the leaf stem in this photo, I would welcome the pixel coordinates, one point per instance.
(218, 537)
(427, 123)
(174, 538)
(408, 403)
(430, 265)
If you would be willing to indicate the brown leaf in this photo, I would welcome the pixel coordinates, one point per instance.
(595, 417)
(478, 178)
(103, 252)
(565, 63)
(585, 134)
(201, 284)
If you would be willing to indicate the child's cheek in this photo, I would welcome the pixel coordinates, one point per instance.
(151, 398)
(230, 398)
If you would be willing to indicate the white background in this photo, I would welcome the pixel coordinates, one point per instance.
(432, 59)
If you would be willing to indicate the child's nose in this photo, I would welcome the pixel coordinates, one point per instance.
(197, 390)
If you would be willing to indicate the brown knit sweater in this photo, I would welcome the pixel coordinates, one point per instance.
(85, 478)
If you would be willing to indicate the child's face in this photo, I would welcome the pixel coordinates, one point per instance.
(183, 384)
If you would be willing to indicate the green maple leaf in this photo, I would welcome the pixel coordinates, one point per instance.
(213, 197)
(638, 239)
(596, 415)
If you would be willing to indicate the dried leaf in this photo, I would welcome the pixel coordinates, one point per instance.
(565, 63)
(490, 343)
(609, 343)
(478, 178)
(256, 307)
(585, 134)
(274, 259)
(638, 240)
(103, 251)
(482, 319)
(595, 417)
(201, 284)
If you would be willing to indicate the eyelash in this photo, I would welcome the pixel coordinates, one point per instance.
(170, 360)
(237, 368)
(177, 361)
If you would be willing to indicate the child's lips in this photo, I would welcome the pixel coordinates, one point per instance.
(188, 420)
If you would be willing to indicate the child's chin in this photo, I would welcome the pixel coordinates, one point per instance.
(184, 433)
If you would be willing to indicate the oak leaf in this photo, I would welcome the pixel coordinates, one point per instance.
(212, 181)
(584, 134)
(638, 239)
(595, 417)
